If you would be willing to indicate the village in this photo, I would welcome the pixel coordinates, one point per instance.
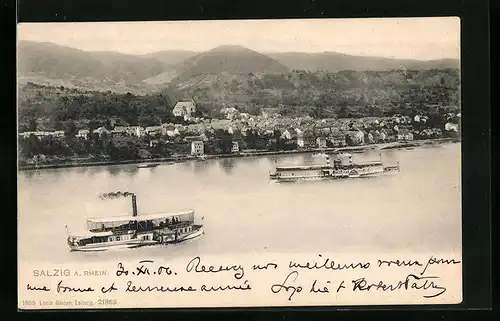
(240, 133)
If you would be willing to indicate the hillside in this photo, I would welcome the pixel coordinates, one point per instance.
(298, 93)
(334, 61)
(223, 59)
(136, 68)
(171, 57)
(48, 63)
(56, 61)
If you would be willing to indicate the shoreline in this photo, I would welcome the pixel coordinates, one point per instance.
(354, 149)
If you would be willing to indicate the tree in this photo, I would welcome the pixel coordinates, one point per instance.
(70, 128)
(224, 142)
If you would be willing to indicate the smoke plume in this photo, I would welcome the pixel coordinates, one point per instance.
(112, 195)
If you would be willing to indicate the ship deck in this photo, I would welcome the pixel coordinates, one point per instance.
(324, 166)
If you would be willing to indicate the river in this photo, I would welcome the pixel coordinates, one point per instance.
(417, 209)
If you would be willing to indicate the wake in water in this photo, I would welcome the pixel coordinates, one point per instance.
(115, 195)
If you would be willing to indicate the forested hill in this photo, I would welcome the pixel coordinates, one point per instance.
(296, 93)
(300, 92)
(335, 61)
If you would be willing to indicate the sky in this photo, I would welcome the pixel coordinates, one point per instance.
(405, 38)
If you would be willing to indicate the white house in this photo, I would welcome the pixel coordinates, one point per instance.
(357, 136)
(450, 127)
(184, 108)
(136, 131)
(173, 132)
(100, 131)
(370, 138)
(155, 130)
(40, 134)
(119, 130)
(300, 137)
(83, 133)
(321, 142)
(235, 148)
(197, 148)
(286, 134)
(405, 135)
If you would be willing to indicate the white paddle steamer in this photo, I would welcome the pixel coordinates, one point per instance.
(136, 230)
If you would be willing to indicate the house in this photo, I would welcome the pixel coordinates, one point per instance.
(356, 137)
(135, 131)
(321, 142)
(117, 130)
(420, 119)
(236, 147)
(286, 134)
(376, 136)
(197, 148)
(195, 138)
(308, 138)
(83, 133)
(184, 108)
(449, 116)
(397, 118)
(229, 113)
(155, 130)
(406, 120)
(426, 133)
(25, 134)
(300, 137)
(170, 130)
(404, 135)
(337, 138)
(290, 134)
(153, 143)
(40, 134)
(101, 131)
(451, 127)
(390, 134)
(437, 132)
(370, 138)
(322, 131)
(244, 131)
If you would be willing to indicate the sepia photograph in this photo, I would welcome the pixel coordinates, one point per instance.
(263, 162)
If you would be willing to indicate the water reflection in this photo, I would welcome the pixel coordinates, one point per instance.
(93, 171)
(188, 165)
(81, 170)
(132, 171)
(114, 170)
(200, 167)
(29, 174)
(227, 165)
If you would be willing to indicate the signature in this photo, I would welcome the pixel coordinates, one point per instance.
(410, 282)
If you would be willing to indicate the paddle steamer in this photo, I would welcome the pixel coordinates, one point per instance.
(136, 230)
(340, 168)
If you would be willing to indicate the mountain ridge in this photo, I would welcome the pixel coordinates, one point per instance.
(119, 71)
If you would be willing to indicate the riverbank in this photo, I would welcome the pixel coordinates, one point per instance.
(183, 158)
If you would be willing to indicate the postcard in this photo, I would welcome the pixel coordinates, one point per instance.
(239, 163)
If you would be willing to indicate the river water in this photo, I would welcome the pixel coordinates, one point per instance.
(417, 209)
